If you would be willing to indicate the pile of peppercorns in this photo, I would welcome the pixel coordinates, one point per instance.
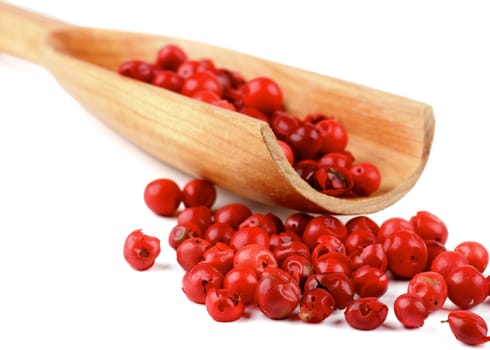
(310, 266)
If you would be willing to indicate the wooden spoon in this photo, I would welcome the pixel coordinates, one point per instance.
(235, 152)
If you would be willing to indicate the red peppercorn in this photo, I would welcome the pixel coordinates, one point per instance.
(198, 192)
(366, 177)
(323, 224)
(140, 250)
(201, 81)
(220, 255)
(429, 226)
(431, 287)
(262, 93)
(466, 286)
(181, 232)
(407, 253)
(137, 69)
(316, 305)
(410, 310)
(200, 215)
(199, 280)
(254, 256)
(189, 67)
(163, 197)
(277, 294)
(232, 214)
(224, 306)
(447, 261)
(305, 141)
(468, 327)
(338, 284)
(190, 252)
(242, 281)
(475, 253)
(168, 80)
(170, 57)
(370, 281)
(366, 313)
(219, 232)
(283, 124)
(333, 135)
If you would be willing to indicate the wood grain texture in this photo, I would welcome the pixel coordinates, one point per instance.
(236, 152)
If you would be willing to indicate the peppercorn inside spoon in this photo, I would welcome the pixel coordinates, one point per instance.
(236, 152)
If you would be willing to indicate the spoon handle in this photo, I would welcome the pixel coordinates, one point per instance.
(23, 33)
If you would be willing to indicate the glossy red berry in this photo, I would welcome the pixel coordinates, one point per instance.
(410, 310)
(431, 287)
(163, 197)
(316, 305)
(447, 261)
(277, 294)
(466, 286)
(232, 214)
(391, 225)
(335, 160)
(366, 313)
(475, 253)
(333, 262)
(181, 232)
(357, 240)
(262, 93)
(167, 80)
(373, 255)
(170, 57)
(199, 280)
(200, 215)
(137, 69)
(286, 249)
(321, 225)
(223, 305)
(370, 282)
(429, 226)
(190, 252)
(297, 221)
(206, 96)
(299, 266)
(199, 192)
(249, 235)
(362, 222)
(366, 177)
(200, 81)
(254, 256)
(407, 253)
(141, 250)
(338, 284)
(219, 232)
(264, 221)
(468, 327)
(189, 67)
(220, 255)
(283, 124)
(242, 281)
(333, 135)
(305, 141)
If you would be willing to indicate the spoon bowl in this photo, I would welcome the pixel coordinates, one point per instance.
(238, 153)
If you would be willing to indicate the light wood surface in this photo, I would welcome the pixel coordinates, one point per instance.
(235, 152)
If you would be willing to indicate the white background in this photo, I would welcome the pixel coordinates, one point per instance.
(71, 190)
